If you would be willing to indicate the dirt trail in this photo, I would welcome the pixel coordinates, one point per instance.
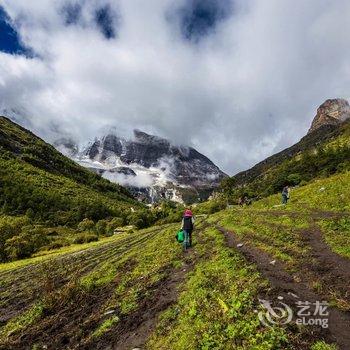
(136, 328)
(288, 287)
(146, 321)
(332, 269)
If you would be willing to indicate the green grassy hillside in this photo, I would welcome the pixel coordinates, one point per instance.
(26, 146)
(324, 152)
(140, 290)
(44, 197)
(331, 193)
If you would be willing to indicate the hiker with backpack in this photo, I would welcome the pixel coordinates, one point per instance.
(187, 226)
(285, 194)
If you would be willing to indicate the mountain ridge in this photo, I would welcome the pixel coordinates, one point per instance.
(150, 166)
(323, 150)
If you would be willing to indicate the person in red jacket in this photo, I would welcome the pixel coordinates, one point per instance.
(187, 226)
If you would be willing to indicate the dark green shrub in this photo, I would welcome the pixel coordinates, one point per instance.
(293, 179)
(59, 243)
(175, 216)
(85, 238)
(216, 206)
(30, 213)
(18, 247)
(113, 224)
(86, 225)
(142, 218)
(29, 241)
(15, 226)
(101, 227)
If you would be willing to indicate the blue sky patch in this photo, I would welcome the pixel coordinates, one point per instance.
(9, 38)
(72, 13)
(105, 20)
(200, 17)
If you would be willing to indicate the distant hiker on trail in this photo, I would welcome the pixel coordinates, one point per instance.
(187, 226)
(285, 194)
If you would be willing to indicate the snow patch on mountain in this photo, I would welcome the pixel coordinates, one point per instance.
(150, 166)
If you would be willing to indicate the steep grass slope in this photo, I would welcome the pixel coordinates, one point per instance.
(40, 188)
(28, 147)
(323, 152)
(141, 289)
(331, 193)
(31, 168)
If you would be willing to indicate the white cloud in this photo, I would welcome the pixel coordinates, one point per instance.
(246, 90)
(140, 180)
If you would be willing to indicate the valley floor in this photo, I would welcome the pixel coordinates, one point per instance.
(142, 291)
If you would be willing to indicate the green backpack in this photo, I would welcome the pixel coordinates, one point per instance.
(180, 236)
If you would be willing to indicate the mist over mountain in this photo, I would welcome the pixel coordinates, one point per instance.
(150, 166)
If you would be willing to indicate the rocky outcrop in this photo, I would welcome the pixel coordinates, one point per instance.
(331, 112)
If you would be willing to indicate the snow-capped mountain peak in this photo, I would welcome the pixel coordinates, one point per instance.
(149, 165)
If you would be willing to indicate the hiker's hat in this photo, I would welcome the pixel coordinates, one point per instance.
(188, 212)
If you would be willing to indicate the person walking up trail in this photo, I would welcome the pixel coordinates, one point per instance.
(187, 226)
(285, 195)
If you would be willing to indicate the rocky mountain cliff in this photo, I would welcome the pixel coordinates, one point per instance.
(331, 112)
(150, 166)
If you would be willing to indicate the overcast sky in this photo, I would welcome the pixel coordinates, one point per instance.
(238, 80)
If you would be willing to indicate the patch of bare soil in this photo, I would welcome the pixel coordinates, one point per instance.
(326, 214)
(134, 330)
(332, 269)
(64, 322)
(291, 289)
(71, 313)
